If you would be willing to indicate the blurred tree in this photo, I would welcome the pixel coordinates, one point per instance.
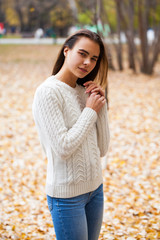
(125, 17)
(19, 8)
(149, 51)
(87, 10)
(110, 14)
(61, 17)
(11, 17)
(73, 7)
(2, 15)
(135, 18)
(132, 18)
(43, 9)
(85, 17)
(32, 14)
(119, 44)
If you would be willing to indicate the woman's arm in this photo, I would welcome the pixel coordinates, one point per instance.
(48, 114)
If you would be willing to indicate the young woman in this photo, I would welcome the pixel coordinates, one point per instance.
(70, 113)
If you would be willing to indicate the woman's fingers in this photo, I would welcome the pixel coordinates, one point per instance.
(95, 101)
(98, 97)
(93, 87)
(94, 90)
(89, 85)
(86, 84)
(90, 88)
(102, 98)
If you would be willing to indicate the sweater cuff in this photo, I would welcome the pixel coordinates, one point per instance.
(90, 114)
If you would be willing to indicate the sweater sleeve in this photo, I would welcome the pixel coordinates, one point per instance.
(103, 134)
(47, 112)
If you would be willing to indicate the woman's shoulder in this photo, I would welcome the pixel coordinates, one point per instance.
(48, 89)
(49, 85)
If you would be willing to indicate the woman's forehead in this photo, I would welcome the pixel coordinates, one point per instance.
(88, 45)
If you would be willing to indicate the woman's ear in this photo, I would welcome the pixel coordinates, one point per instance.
(65, 51)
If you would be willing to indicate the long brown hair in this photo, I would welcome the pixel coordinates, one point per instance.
(100, 71)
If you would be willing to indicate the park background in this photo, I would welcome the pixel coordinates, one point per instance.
(31, 33)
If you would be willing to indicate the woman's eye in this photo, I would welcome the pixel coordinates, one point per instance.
(82, 54)
(94, 59)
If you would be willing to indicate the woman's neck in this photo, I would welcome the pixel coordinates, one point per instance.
(66, 77)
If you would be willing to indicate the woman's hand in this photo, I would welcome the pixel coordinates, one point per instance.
(95, 101)
(92, 87)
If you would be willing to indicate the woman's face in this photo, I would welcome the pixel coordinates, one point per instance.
(82, 58)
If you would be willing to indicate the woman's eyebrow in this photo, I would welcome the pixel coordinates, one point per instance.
(87, 52)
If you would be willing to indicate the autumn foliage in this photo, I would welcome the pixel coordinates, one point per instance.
(131, 178)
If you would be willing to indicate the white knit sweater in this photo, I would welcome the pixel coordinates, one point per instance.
(73, 136)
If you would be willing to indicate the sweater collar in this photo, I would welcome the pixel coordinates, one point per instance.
(52, 79)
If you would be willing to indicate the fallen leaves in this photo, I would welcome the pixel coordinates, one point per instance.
(132, 186)
(132, 177)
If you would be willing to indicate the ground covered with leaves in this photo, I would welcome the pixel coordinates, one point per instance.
(132, 174)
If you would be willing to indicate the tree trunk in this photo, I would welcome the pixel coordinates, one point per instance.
(2, 15)
(99, 10)
(20, 15)
(109, 57)
(143, 36)
(131, 46)
(156, 52)
(119, 45)
(128, 29)
(74, 9)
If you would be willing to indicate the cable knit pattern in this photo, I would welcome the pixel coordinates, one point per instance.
(73, 137)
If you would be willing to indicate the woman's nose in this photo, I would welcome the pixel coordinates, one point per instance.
(87, 61)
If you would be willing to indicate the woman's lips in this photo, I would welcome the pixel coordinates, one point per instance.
(83, 70)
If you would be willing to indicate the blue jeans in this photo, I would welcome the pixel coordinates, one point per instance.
(77, 218)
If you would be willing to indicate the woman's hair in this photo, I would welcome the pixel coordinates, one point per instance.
(99, 73)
